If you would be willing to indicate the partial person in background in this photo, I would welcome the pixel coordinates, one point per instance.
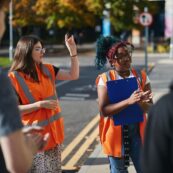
(3, 5)
(157, 154)
(121, 141)
(17, 149)
(34, 83)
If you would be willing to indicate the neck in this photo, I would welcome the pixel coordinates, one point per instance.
(123, 74)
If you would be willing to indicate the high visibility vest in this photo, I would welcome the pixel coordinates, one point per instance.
(30, 92)
(111, 135)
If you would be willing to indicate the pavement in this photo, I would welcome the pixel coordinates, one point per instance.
(160, 78)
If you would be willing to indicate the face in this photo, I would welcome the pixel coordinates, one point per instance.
(122, 61)
(38, 53)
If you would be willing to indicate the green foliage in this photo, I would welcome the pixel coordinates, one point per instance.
(61, 13)
(79, 13)
(124, 12)
(4, 62)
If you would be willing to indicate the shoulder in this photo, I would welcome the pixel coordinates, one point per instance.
(103, 77)
(162, 110)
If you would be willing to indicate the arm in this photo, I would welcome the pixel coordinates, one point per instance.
(11, 139)
(108, 109)
(73, 73)
(15, 150)
(46, 104)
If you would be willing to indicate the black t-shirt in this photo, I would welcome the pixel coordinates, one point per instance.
(9, 114)
(56, 69)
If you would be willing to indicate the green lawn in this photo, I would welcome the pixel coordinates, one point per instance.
(4, 62)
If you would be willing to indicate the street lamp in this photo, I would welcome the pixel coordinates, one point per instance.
(11, 30)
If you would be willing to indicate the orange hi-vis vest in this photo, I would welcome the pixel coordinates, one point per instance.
(111, 135)
(30, 92)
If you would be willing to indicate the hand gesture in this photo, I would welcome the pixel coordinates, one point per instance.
(71, 45)
(146, 97)
(34, 139)
(48, 104)
(135, 97)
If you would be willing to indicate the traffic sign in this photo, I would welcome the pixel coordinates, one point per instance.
(145, 19)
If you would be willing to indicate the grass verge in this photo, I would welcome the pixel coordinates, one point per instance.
(4, 62)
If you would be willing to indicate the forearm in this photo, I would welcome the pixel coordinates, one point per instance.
(18, 157)
(115, 108)
(74, 71)
(25, 109)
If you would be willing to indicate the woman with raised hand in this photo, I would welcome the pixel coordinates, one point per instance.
(34, 83)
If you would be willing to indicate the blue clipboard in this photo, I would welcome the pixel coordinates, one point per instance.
(119, 90)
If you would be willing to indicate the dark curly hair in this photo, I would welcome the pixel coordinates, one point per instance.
(103, 44)
(106, 49)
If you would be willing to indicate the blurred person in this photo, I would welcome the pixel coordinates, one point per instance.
(120, 142)
(17, 149)
(3, 5)
(34, 83)
(157, 153)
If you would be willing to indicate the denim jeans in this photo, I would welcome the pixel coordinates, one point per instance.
(117, 164)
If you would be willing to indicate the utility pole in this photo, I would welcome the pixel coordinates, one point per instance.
(11, 30)
(146, 44)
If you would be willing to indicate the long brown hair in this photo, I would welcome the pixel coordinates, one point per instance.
(23, 61)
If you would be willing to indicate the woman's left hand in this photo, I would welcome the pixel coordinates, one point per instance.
(71, 45)
(146, 97)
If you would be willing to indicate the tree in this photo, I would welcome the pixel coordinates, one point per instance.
(62, 13)
(123, 12)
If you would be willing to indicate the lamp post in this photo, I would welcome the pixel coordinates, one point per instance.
(11, 30)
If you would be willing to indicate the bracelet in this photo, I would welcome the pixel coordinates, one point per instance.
(73, 55)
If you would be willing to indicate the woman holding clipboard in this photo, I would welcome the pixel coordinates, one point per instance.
(123, 141)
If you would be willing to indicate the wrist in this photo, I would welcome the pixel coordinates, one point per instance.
(39, 105)
(73, 55)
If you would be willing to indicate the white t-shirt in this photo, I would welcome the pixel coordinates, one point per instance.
(101, 82)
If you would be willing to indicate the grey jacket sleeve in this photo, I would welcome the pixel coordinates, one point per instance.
(9, 114)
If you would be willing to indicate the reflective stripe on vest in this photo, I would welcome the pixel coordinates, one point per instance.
(47, 72)
(47, 122)
(32, 100)
(24, 87)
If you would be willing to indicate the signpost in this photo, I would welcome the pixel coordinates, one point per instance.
(146, 19)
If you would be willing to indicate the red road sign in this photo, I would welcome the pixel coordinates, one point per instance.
(145, 19)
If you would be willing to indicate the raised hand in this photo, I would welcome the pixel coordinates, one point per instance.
(71, 45)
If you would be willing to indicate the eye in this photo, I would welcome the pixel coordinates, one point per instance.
(37, 49)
